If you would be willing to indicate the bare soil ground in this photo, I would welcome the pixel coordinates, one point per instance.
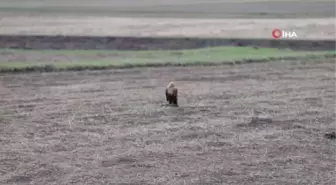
(173, 8)
(244, 124)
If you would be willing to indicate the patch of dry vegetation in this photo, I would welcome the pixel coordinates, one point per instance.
(166, 27)
(252, 18)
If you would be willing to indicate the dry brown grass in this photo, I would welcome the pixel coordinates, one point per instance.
(309, 19)
(110, 127)
(323, 28)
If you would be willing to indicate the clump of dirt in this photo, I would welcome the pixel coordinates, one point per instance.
(331, 135)
(257, 121)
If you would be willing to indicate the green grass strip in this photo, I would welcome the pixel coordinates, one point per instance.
(82, 59)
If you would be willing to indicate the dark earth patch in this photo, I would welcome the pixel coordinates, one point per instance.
(151, 43)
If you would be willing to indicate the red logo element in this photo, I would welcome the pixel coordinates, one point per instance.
(276, 33)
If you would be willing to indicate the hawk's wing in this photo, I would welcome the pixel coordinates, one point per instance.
(167, 95)
(175, 96)
(175, 92)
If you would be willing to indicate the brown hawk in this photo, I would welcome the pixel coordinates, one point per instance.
(171, 94)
